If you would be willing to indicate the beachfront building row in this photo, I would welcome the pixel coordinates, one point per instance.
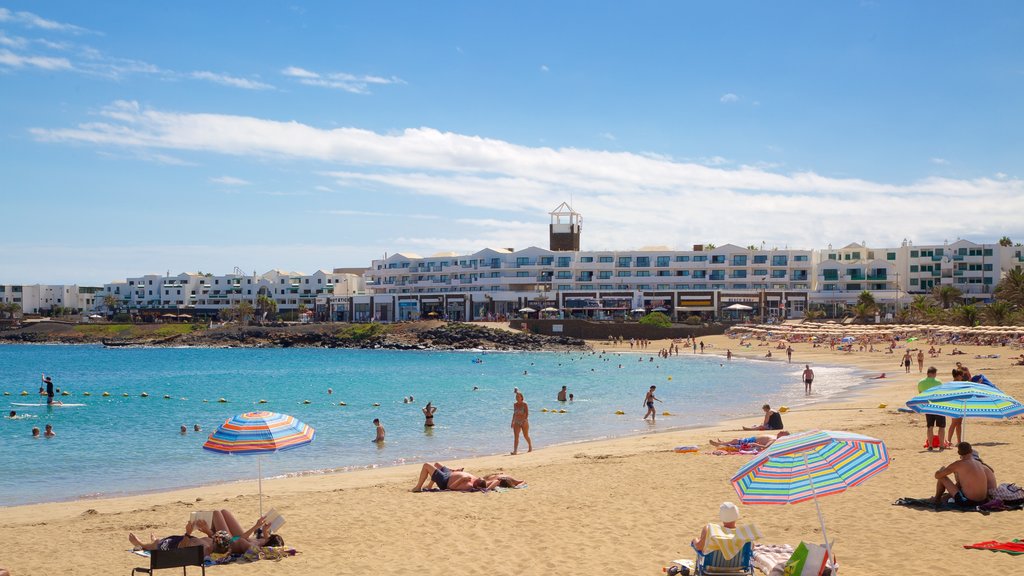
(197, 294)
(47, 298)
(704, 281)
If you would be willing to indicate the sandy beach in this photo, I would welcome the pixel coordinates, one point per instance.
(623, 506)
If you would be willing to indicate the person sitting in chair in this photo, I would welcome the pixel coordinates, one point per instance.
(729, 514)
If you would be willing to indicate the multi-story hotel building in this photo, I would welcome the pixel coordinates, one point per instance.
(206, 294)
(703, 281)
(44, 298)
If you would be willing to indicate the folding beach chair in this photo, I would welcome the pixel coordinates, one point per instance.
(177, 558)
(714, 563)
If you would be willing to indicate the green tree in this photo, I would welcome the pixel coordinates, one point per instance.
(1005, 241)
(656, 319)
(947, 295)
(921, 308)
(111, 302)
(265, 306)
(241, 311)
(998, 313)
(867, 298)
(967, 314)
(709, 246)
(1011, 287)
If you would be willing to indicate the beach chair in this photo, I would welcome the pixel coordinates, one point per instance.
(177, 558)
(714, 563)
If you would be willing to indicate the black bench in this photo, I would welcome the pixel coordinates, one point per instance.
(177, 558)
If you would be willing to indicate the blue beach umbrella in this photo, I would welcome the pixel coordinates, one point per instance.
(966, 399)
(259, 433)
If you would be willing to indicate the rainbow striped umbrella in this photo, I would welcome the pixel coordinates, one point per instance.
(804, 466)
(259, 433)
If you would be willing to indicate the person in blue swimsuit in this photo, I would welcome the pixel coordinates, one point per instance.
(759, 442)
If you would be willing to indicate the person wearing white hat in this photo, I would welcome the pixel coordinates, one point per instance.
(729, 514)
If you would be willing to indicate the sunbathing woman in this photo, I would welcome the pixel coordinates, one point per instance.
(174, 542)
(242, 540)
(760, 441)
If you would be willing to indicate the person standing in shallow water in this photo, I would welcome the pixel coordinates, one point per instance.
(649, 402)
(521, 423)
(428, 415)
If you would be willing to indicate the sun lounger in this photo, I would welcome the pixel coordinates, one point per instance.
(714, 562)
(176, 558)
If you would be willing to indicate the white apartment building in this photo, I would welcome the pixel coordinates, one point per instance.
(44, 298)
(206, 294)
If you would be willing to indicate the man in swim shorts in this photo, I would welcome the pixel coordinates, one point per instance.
(932, 420)
(969, 486)
(808, 378)
(457, 480)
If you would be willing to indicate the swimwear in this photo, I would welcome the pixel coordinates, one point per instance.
(935, 420)
(749, 440)
(169, 543)
(650, 405)
(963, 501)
(441, 476)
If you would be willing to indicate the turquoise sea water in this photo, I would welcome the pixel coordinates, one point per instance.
(120, 444)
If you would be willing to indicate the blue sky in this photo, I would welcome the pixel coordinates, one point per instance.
(147, 137)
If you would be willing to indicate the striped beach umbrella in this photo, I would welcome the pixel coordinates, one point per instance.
(966, 400)
(259, 433)
(803, 466)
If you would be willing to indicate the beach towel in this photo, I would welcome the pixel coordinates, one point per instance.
(771, 559)
(730, 541)
(927, 504)
(1014, 547)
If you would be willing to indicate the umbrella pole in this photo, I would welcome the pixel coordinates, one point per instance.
(821, 519)
(259, 460)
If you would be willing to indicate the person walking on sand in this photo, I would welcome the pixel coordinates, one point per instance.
(789, 354)
(428, 415)
(808, 378)
(906, 361)
(649, 402)
(380, 431)
(521, 423)
(920, 361)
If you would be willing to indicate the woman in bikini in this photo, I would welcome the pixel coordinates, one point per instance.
(521, 423)
(428, 414)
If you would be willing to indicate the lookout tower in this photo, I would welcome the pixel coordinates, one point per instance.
(564, 232)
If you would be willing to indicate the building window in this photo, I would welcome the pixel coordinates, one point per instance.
(701, 258)
(739, 260)
(563, 261)
(624, 273)
(800, 258)
(624, 261)
(780, 260)
(643, 261)
(662, 261)
(760, 258)
(643, 272)
(604, 274)
(682, 258)
(718, 259)
(605, 259)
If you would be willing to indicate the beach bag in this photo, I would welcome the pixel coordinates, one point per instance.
(807, 560)
(1009, 492)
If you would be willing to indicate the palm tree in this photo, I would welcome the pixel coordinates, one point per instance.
(1011, 287)
(862, 311)
(999, 312)
(244, 311)
(1005, 241)
(265, 305)
(921, 307)
(867, 298)
(709, 246)
(967, 314)
(947, 295)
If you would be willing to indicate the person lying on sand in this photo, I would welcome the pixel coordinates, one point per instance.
(183, 541)
(501, 481)
(760, 441)
(455, 480)
(226, 536)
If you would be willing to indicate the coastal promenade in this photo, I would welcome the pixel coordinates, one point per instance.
(623, 506)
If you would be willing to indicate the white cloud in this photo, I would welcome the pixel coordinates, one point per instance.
(616, 190)
(30, 20)
(729, 97)
(230, 181)
(544, 68)
(233, 81)
(338, 80)
(12, 60)
(607, 136)
(939, 161)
